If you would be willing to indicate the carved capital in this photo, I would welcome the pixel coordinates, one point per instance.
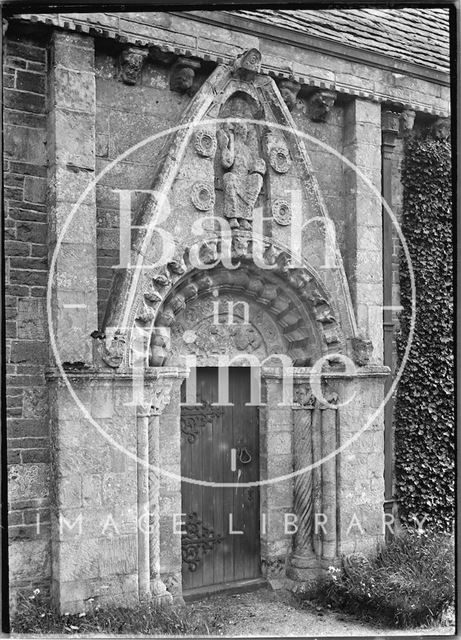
(131, 61)
(320, 105)
(247, 65)
(289, 90)
(183, 74)
(441, 129)
(161, 395)
(330, 397)
(304, 396)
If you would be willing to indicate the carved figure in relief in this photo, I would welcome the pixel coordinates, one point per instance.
(244, 171)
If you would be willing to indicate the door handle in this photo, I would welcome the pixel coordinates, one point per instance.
(244, 455)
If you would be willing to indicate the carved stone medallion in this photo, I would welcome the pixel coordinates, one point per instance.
(279, 158)
(202, 196)
(281, 212)
(205, 143)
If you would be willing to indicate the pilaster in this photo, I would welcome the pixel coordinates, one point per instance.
(72, 203)
(362, 148)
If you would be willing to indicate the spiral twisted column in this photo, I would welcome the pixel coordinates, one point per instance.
(303, 557)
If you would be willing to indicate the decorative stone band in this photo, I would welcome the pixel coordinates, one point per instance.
(160, 48)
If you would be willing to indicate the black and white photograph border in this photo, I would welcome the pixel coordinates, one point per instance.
(228, 319)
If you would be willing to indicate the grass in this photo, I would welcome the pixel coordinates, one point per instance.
(407, 583)
(35, 616)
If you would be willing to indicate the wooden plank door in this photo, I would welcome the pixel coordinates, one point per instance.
(220, 444)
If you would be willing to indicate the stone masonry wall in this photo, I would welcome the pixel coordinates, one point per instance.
(126, 115)
(25, 219)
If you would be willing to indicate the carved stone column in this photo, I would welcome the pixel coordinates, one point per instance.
(303, 560)
(142, 425)
(329, 479)
(160, 398)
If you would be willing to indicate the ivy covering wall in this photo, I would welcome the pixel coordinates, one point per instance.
(424, 409)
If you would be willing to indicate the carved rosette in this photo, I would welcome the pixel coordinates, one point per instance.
(203, 196)
(279, 159)
(281, 212)
(205, 143)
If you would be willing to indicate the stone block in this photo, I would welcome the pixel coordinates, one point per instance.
(74, 139)
(74, 51)
(23, 101)
(74, 90)
(119, 488)
(279, 443)
(27, 81)
(28, 481)
(80, 228)
(31, 319)
(29, 560)
(29, 351)
(92, 490)
(369, 238)
(102, 402)
(69, 491)
(125, 132)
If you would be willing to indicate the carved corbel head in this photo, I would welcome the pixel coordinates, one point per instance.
(321, 104)
(441, 129)
(247, 64)
(183, 74)
(390, 126)
(407, 121)
(289, 90)
(112, 355)
(131, 61)
(362, 349)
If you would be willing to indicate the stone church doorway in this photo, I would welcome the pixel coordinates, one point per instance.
(220, 444)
